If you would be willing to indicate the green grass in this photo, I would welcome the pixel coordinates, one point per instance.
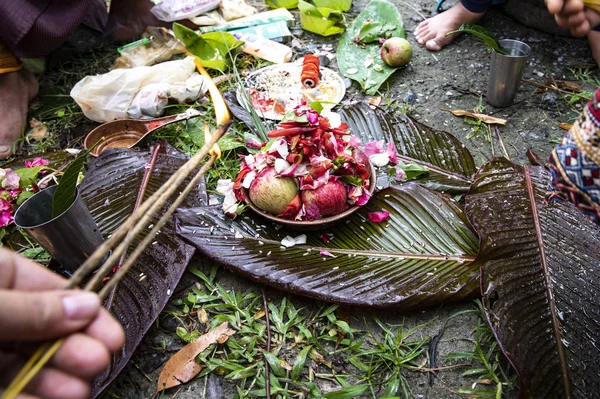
(316, 345)
(495, 378)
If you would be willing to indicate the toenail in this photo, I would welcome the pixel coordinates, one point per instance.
(4, 148)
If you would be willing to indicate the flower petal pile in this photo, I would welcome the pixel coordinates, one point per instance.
(310, 169)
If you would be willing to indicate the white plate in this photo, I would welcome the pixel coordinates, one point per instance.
(277, 88)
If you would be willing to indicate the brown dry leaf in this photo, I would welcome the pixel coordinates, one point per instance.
(564, 126)
(375, 100)
(38, 130)
(490, 120)
(569, 86)
(202, 316)
(182, 366)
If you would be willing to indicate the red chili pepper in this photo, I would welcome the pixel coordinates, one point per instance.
(289, 132)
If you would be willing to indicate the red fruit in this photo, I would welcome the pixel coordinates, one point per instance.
(272, 193)
(327, 200)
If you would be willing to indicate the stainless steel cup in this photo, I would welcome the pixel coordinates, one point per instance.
(506, 72)
(70, 238)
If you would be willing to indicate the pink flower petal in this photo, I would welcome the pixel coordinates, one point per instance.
(400, 173)
(5, 206)
(313, 117)
(378, 217)
(374, 147)
(326, 253)
(11, 180)
(354, 142)
(5, 218)
(391, 152)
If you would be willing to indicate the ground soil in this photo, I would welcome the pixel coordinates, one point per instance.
(434, 83)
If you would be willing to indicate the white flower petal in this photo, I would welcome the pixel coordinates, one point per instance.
(379, 160)
(281, 165)
(248, 179)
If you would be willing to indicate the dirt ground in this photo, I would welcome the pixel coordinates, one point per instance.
(434, 83)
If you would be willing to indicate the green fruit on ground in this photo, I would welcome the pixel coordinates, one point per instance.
(396, 52)
(272, 193)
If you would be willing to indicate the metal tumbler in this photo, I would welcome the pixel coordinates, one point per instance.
(506, 72)
(70, 238)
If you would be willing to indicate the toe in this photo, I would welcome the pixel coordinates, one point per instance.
(432, 45)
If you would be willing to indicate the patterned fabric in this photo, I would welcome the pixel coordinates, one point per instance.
(575, 163)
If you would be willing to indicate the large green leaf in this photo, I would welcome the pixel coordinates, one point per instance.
(212, 48)
(110, 189)
(450, 164)
(419, 256)
(323, 21)
(361, 61)
(540, 280)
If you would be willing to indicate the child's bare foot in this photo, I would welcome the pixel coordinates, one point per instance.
(16, 89)
(432, 31)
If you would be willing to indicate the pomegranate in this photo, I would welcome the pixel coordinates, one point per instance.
(272, 193)
(327, 200)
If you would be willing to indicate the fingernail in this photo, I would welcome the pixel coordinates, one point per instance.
(82, 305)
(4, 148)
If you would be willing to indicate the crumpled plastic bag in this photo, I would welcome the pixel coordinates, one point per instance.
(174, 10)
(162, 47)
(234, 9)
(211, 18)
(140, 92)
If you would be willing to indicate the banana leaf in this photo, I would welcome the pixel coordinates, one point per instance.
(361, 61)
(420, 256)
(540, 280)
(109, 190)
(450, 164)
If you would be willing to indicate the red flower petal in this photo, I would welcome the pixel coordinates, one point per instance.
(378, 217)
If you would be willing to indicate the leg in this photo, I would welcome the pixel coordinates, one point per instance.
(16, 89)
(432, 31)
(127, 19)
(594, 41)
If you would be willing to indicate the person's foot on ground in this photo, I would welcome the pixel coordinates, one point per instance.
(432, 31)
(128, 19)
(16, 89)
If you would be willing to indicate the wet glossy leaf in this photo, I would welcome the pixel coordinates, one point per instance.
(449, 163)
(419, 256)
(274, 364)
(56, 160)
(110, 190)
(352, 55)
(299, 362)
(67, 186)
(182, 366)
(540, 280)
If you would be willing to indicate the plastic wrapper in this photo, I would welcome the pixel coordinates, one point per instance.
(162, 47)
(140, 92)
(175, 10)
(234, 9)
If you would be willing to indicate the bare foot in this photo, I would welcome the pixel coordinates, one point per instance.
(594, 40)
(432, 31)
(16, 89)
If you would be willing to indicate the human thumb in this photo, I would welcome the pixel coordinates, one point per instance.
(30, 315)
